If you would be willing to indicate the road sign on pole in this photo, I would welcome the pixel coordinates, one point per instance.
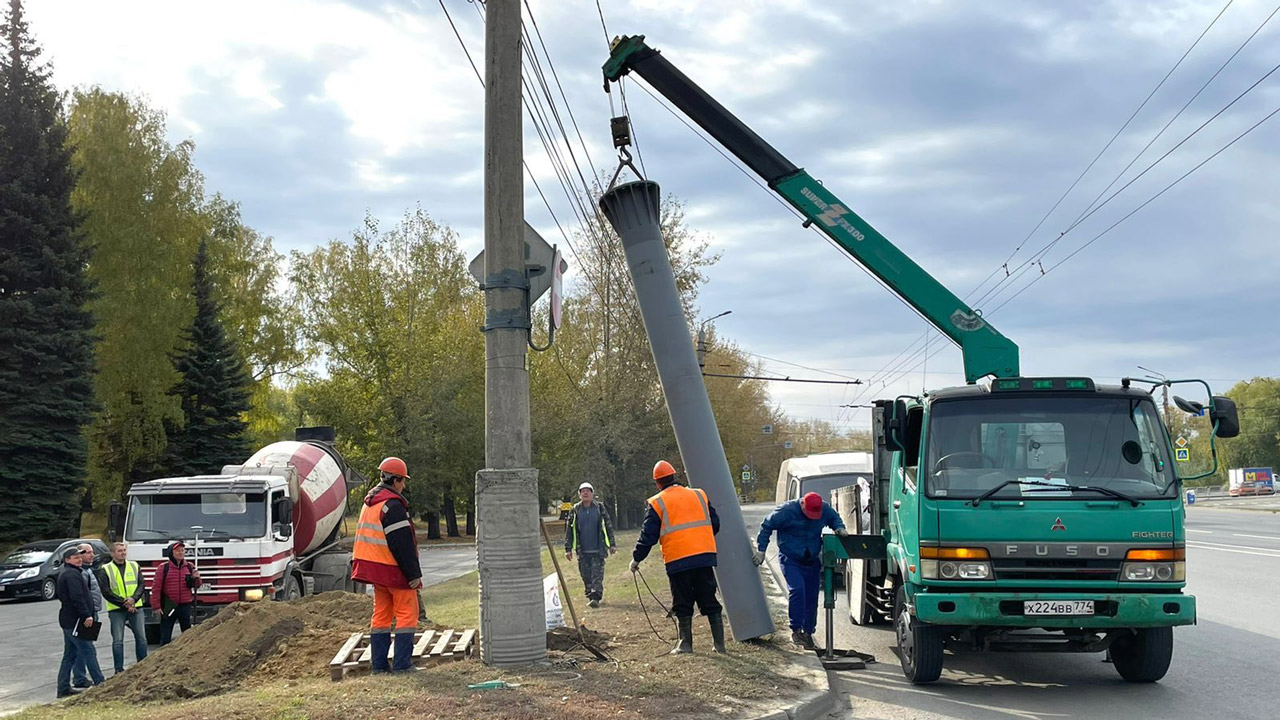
(1181, 454)
(1180, 442)
(766, 430)
(788, 445)
(746, 476)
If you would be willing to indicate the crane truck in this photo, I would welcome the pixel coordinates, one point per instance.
(1018, 513)
(267, 529)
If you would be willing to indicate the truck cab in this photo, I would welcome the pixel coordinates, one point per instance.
(1034, 514)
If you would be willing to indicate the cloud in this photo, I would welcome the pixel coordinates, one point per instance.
(952, 128)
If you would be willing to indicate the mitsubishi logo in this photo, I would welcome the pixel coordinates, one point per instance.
(1057, 525)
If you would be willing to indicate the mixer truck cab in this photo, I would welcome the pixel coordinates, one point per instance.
(267, 529)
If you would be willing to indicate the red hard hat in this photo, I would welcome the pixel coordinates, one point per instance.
(663, 469)
(811, 503)
(394, 466)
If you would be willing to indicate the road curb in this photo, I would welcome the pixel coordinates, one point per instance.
(815, 703)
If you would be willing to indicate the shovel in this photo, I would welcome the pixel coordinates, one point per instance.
(568, 601)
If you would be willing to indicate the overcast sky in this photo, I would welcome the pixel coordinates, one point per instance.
(952, 127)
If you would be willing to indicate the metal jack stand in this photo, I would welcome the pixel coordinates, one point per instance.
(834, 547)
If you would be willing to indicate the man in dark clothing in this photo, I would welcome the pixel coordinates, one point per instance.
(79, 673)
(122, 590)
(683, 521)
(386, 556)
(799, 525)
(173, 591)
(75, 617)
(589, 532)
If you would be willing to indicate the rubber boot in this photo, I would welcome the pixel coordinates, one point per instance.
(685, 645)
(717, 632)
(379, 645)
(403, 659)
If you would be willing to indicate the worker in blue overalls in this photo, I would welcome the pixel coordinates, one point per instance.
(799, 525)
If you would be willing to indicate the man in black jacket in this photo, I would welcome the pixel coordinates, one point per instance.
(75, 617)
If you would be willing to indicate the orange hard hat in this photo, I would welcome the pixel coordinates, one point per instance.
(394, 466)
(663, 469)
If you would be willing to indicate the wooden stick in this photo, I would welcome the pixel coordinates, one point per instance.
(564, 588)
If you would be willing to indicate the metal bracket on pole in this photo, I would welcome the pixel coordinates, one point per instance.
(505, 280)
(516, 319)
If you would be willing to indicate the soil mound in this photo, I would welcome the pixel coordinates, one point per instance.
(563, 638)
(284, 640)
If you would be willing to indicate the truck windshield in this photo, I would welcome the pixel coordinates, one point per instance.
(1116, 443)
(167, 517)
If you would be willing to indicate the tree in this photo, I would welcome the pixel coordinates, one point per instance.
(393, 316)
(213, 390)
(1258, 445)
(46, 368)
(141, 198)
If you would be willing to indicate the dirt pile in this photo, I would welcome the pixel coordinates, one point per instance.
(563, 638)
(283, 640)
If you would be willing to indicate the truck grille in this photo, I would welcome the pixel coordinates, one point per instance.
(1053, 569)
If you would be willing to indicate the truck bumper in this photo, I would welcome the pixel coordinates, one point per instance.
(1112, 610)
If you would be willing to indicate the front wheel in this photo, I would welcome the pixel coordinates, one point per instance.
(291, 590)
(1144, 656)
(919, 645)
(48, 589)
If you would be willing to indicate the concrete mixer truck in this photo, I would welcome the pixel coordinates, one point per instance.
(267, 529)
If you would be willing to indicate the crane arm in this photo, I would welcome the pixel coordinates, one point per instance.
(985, 351)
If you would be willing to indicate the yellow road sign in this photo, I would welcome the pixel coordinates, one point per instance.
(1181, 454)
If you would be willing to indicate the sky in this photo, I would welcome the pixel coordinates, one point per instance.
(954, 128)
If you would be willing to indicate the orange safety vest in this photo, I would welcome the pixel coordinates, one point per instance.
(686, 523)
(371, 540)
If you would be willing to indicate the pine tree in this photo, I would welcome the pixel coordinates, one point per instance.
(214, 389)
(46, 332)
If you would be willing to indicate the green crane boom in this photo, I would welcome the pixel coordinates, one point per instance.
(985, 351)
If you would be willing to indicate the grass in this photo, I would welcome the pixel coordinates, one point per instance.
(641, 683)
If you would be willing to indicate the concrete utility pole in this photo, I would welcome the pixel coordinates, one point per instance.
(512, 620)
(632, 210)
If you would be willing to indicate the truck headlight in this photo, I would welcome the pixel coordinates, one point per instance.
(1155, 571)
(954, 570)
(254, 594)
(28, 573)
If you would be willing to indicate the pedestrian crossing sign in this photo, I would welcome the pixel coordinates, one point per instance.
(1181, 454)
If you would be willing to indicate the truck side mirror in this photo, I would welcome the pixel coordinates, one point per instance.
(1224, 417)
(115, 521)
(895, 427)
(282, 529)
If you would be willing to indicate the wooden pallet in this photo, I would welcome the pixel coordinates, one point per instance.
(429, 648)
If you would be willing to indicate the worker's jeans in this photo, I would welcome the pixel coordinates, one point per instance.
(804, 580)
(119, 619)
(77, 651)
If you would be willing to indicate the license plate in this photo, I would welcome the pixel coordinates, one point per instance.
(1057, 607)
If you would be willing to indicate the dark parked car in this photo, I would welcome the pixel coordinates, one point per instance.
(31, 570)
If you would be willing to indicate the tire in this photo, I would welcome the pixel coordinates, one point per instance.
(1144, 656)
(48, 589)
(919, 645)
(291, 590)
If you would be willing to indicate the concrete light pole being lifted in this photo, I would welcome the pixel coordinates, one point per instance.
(632, 210)
(512, 620)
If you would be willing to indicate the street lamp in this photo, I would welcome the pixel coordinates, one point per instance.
(702, 338)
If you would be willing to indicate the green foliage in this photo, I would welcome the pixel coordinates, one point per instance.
(146, 213)
(394, 316)
(46, 368)
(1258, 445)
(213, 390)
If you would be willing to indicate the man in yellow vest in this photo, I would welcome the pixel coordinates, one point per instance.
(386, 557)
(122, 589)
(685, 524)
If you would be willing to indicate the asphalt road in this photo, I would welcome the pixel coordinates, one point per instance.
(32, 642)
(1224, 667)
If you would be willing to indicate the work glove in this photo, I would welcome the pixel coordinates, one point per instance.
(635, 565)
(613, 551)
(758, 557)
(842, 532)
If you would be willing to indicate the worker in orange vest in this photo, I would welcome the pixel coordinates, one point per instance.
(386, 556)
(685, 524)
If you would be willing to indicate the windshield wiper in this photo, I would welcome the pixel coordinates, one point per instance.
(978, 500)
(1104, 490)
(162, 533)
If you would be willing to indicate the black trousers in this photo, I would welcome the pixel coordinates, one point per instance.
(694, 586)
(181, 615)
